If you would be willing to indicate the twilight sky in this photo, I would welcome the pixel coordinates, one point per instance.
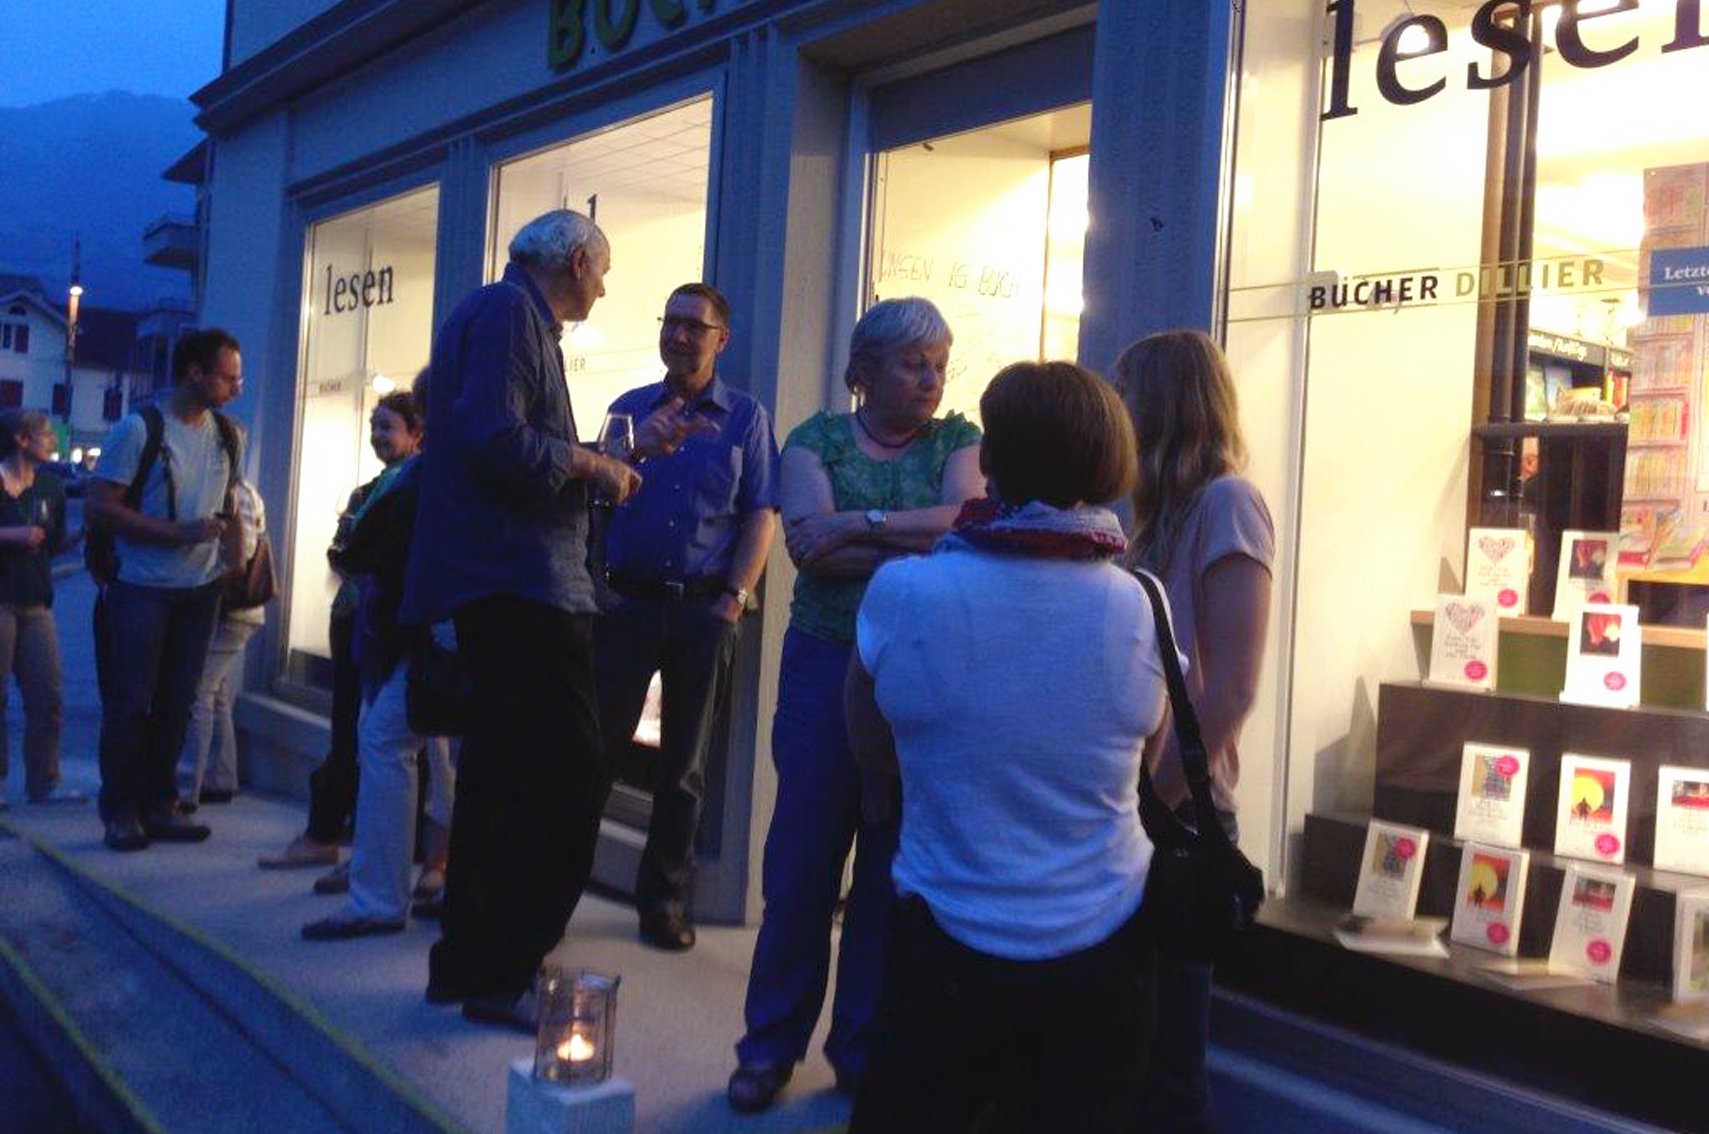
(52, 48)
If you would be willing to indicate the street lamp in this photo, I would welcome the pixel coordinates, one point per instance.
(74, 297)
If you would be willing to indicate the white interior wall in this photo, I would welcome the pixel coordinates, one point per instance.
(964, 224)
(1359, 422)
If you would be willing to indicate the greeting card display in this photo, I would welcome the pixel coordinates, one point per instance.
(1490, 898)
(1463, 642)
(1590, 817)
(1590, 925)
(1682, 820)
(1498, 567)
(1585, 573)
(1604, 651)
(1491, 806)
(1390, 873)
(1691, 947)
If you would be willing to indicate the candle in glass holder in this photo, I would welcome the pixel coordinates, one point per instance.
(578, 1019)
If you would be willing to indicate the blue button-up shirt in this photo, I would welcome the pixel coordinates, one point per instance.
(500, 512)
(687, 518)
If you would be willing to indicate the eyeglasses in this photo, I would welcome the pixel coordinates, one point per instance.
(670, 324)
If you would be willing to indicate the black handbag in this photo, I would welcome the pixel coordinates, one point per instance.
(1200, 890)
(438, 691)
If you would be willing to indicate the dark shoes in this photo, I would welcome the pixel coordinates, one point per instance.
(336, 880)
(669, 930)
(217, 795)
(755, 1086)
(343, 927)
(170, 827)
(125, 835)
(520, 1013)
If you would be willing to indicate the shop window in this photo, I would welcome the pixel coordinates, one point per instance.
(61, 399)
(112, 403)
(367, 326)
(645, 183)
(1001, 256)
(11, 393)
(1465, 267)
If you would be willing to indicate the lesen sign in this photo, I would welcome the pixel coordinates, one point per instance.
(613, 23)
(1499, 25)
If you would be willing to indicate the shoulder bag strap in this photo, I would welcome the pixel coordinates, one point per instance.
(1194, 761)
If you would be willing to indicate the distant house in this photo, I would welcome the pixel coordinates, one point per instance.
(121, 357)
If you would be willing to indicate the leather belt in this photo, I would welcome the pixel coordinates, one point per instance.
(676, 590)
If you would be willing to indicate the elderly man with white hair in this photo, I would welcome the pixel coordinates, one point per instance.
(500, 548)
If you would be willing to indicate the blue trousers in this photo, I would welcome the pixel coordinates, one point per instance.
(815, 822)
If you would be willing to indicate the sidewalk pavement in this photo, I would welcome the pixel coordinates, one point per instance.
(678, 1014)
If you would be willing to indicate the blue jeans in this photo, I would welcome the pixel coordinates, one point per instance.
(815, 822)
(156, 644)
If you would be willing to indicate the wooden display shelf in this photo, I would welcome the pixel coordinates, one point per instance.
(1535, 626)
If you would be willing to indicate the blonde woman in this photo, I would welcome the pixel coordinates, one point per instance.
(1204, 529)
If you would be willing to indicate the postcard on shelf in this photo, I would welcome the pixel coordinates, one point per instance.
(1531, 973)
(1590, 815)
(1590, 924)
(1416, 937)
(1585, 572)
(1498, 567)
(1490, 898)
(1691, 947)
(1682, 820)
(1390, 872)
(1463, 642)
(1604, 655)
(1491, 807)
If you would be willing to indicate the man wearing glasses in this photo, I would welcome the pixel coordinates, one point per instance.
(683, 557)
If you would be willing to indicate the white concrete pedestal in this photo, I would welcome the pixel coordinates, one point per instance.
(547, 1108)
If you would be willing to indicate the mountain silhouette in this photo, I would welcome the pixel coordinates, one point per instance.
(89, 167)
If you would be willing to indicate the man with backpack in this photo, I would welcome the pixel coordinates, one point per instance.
(158, 509)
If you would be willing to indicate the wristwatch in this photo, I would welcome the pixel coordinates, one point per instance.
(740, 594)
(876, 518)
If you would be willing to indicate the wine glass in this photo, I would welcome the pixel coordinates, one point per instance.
(616, 440)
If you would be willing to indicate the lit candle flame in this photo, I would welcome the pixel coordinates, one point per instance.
(577, 1049)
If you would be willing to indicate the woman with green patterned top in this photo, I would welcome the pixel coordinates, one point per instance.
(857, 489)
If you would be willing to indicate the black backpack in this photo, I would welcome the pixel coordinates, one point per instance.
(100, 552)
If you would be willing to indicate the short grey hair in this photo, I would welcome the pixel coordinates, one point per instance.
(547, 242)
(893, 325)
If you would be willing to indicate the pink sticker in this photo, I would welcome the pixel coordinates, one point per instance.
(1599, 596)
(1508, 766)
(1476, 670)
(1498, 933)
(1607, 844)
(1405, 848)
(1615, 681)
(1598, 951)
(1507, 597)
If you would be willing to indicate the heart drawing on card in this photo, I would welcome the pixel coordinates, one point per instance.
(1463, 617)
(1495, 549)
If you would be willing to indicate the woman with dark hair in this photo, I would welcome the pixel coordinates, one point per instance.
(1013, 679)
(858, 489)
(32, 531)
(1204, 529)
(394, 433)
(386, 802)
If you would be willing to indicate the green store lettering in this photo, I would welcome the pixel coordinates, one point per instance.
(613, 24)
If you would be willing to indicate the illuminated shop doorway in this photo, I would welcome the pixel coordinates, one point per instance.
(645, 182)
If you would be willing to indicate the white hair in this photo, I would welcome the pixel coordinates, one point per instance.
(547, 242)
(891, 326)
